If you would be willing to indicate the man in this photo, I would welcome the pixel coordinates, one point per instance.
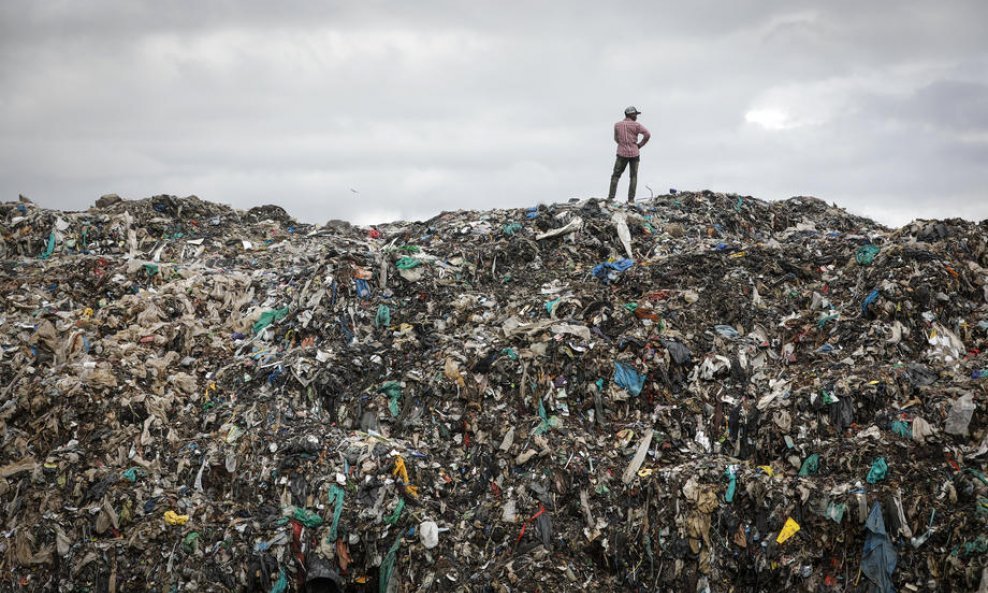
(626, 134)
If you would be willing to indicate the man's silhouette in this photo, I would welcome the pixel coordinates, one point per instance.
(626, 133)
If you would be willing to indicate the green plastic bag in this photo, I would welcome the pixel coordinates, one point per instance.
(388, 566)
(866, 254)
(306, 517)
(879, 469)
(393, 517)
(269, 317)
(392, 389)
(547, 422)
(511, 228)
(281, 585)
(732, 482)
(336, 495)
(50, 248)
(811, 465)
(407, 263)
(835, 511)
(191, 542)
(383, 318)
(824, 319)
(902, 428)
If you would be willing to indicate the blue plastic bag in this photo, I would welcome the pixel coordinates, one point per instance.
(608, 272)
(628, 379)
(878, 558)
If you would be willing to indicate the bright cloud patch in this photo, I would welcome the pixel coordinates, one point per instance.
(770, 119)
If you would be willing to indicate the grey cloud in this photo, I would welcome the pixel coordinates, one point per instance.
(443, 105)
(959, 106)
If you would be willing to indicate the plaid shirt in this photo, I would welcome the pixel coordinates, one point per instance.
(626, 134)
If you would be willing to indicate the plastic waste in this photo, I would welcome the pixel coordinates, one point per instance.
(878, 559)
(306, 517)
(173, 518)
(429, 534)
(788, 530)
(959, 418)
(463, 370)
(879, 469)
(269, 317)
(732, 483)
(628, 378)
(610, 271)
(865, 254)
(811, 465)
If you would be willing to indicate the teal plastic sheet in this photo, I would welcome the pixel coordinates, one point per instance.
(811, 465)
(510, 229)
(902, 428)
(393, 517)
(628, 379)
(879, 469)
(732, 483)
(866, 254)
(546, 422)
(306, 517)
(383, 317)
(407, 263)
(336, 495)
(388, 566)
(392, 389)
(50, 247)
(281, 585)
(835, 511)
(269, 317)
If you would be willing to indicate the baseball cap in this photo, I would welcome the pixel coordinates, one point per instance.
(631, 110)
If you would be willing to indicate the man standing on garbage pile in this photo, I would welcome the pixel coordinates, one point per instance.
(626, 134)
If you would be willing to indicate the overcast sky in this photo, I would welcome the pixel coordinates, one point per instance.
(372, 111)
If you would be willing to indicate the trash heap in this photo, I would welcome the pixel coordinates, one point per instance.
(701, 392)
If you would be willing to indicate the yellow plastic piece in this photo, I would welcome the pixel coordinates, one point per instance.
(788, 530)
(173, 518)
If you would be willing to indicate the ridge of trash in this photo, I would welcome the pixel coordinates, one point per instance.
(700, 392)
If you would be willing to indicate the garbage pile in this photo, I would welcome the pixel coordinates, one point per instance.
(700, 392)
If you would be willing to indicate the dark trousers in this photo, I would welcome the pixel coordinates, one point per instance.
(619, 164)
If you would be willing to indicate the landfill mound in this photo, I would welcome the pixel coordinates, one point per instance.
(701, 392)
